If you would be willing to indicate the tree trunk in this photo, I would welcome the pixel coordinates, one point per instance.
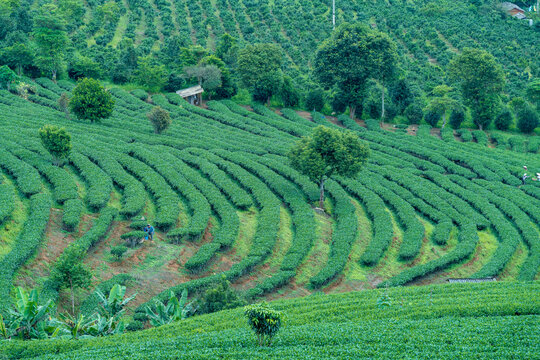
(321, 197)
(19, 69)
(72, 297)
(443, 120)
(268, 101)
(382, 105)
(352, 110)
(481, 127)
(54, 75)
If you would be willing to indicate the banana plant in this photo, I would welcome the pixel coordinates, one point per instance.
(7, 328)
(105, 325)
(174, 310)
(76, 327)
(114, 303)
(29, 320)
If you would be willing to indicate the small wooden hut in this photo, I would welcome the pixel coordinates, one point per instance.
(192, 95)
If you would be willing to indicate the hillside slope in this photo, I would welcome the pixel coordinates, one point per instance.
(220, 191)
(457, 321)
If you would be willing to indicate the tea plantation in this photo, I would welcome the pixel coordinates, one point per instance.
(428, 34)
(458, 321)
(220, 191)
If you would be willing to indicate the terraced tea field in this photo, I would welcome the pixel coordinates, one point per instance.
(428, 34)
(218, 188)
(458, 321)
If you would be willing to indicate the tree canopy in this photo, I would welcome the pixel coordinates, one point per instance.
(90, 101)
(327, 152)
(56, 141)
(481, 79)
(352, 55)
(51, 38)
(259, 68)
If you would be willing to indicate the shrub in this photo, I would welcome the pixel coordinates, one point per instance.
(289, 94)
(118, 251)
(456, 118)
(160, 119)
(432, 118)
(90, 101)
(264, 321)
(72, 214)
(315, 100)
(414, 113)
(527, 119)
(504, 120)
(135, 326)
(56, 140)
(220, 297)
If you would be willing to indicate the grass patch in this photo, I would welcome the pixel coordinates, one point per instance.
(115, 200)
(353, 270)
(511, 270)
(284, 240)
(246, 231)
(318, 255)
(119, 31)
(149, 210)
(487, 244)
(10, 229)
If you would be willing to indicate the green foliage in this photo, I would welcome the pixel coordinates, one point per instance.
(149, 75)
(75, 327)
(73, 209)
(352, 55)
(315, 99)
(414, 113)
(527, 119)
(264, 321)
(56, 140)
(322, 324)
(7, 77)
(481, 79)
(384, 300)
(90, 101)
(160, 119)
(219, 297)
(326, 152)
(7, 201)
(457, 117)
(69, 271)
(63, 104)
(432, 117)
(84, 67)
(29, 319)
(504, 120)
(19, 56)
(227, 87)
(118, 251)
(259, 68)
(533, 91)
(288, 93)
(175, 310)
(25, 245)
(91, 303)
(51, 38)
(112, 305)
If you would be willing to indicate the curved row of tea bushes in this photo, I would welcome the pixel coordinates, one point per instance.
(134, 195)
(26, 244)
(99, 183)
(164, 163)
(343, 236)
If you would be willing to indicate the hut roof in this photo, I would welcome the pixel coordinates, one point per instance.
(511, 6)
(194, 90)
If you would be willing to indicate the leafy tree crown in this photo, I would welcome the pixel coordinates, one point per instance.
(91, 101)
